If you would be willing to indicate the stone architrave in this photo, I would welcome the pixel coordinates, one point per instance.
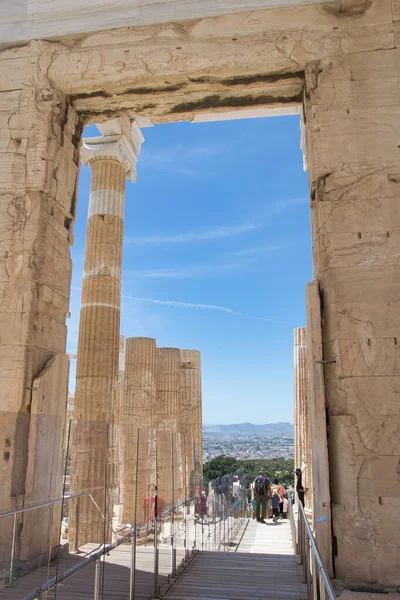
(137, 419)
(190, 398)
(112, 158)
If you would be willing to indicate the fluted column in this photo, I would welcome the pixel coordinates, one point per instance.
(190, 398)
(303, 457)
(118, 417)
(296, 378)
(167, 386)
(138, 408)
(112, 158)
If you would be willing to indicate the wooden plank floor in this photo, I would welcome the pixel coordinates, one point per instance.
(268, 538)
(81, 585)
(263, 568)
(262, 565)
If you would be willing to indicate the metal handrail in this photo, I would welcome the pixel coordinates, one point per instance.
(49, 502)
(48, 585)
(311, 560)
(104, 550)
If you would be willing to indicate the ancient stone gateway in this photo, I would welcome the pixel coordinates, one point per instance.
(338, 64)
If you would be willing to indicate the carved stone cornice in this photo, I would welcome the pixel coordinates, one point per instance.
(118, 146)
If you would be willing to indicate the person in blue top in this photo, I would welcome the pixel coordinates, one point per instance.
(262, 492)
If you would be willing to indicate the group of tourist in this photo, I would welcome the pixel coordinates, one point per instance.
(226, 495)
(270, 501)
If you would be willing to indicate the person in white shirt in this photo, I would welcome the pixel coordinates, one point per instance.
(285, 507)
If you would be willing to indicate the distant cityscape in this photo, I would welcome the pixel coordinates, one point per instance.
(246, 441)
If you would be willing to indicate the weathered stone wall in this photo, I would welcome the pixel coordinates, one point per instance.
(352, 108)
(321, 496)
(39, 157)
(45, 469)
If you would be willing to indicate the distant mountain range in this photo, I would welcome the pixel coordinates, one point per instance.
(276, 428)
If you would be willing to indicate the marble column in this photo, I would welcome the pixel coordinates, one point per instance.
(170, 446)
(112, 158)
(190, 398)
(167, 389)
(138, 409)
(302, 418)
(118, 416)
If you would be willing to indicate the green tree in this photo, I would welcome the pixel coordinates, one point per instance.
(280, 468)
(219, 466)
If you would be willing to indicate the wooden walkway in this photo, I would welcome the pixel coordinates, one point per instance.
(262, 568)
(81, 585)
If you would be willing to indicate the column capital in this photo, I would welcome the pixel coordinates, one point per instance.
(121, 140)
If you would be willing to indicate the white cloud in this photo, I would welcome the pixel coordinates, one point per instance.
(179, 238)
(253, 250)
(179, 158)
(281, 206)
(190, 272)
(196, 306)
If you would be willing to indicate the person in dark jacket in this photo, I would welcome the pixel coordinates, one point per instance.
(262, 492)
(299, 486)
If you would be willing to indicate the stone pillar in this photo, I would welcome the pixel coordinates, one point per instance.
(167, 389)
(166, 419)
(353, 132)
(119, 413)
(190, 399)
(321, 497)
(138, 408)
(112, 158)
(296, 379)
(302, 439)
(39, 140)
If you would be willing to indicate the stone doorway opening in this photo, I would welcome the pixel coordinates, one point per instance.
(249, 222)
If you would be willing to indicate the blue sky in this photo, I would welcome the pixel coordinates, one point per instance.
(217, 252)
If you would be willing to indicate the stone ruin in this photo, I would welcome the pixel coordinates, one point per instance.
(126, 67)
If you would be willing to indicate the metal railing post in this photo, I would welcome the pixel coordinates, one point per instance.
(173, 557)
(308, 569)
(132, 574)
(305, 557)
(156, 559)
(97, 574)
(314, 577)
(12, 557)
(78, 517)
(50, 543)
(321, 586)
(224, 538)
(307, 544)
